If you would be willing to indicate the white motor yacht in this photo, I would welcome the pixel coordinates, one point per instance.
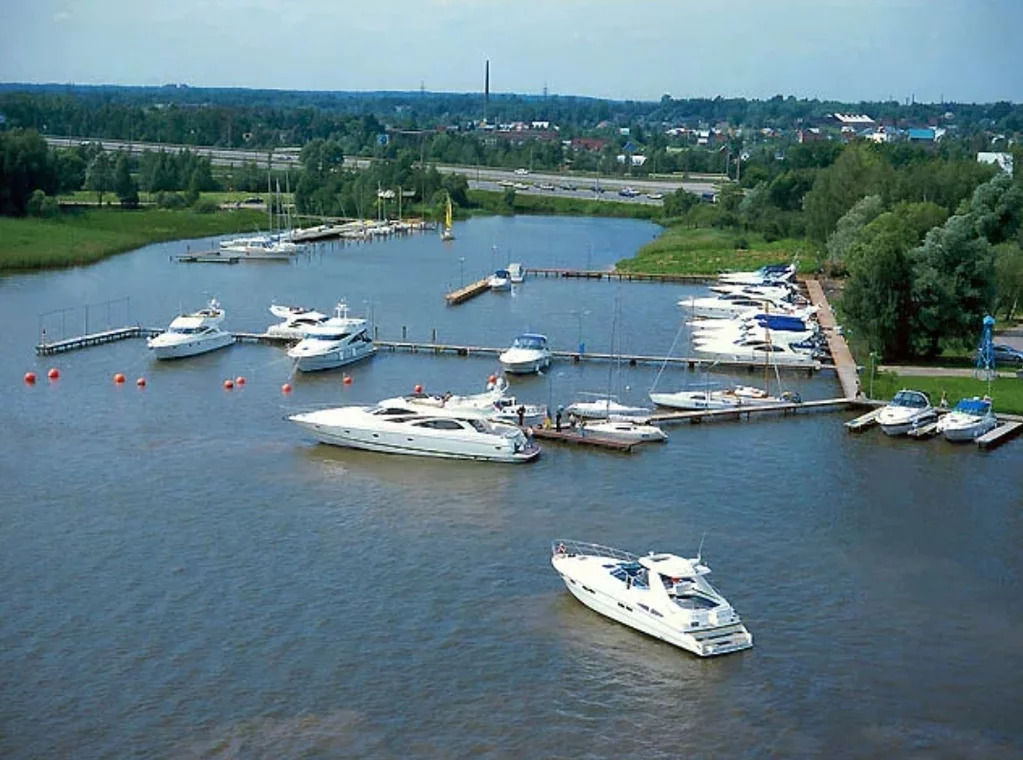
(516, 272)
(400, 430)
(493, 403)
(191, 334)
(625, 429)
(724, 398)
(528, 353)
(338, 341)
(296, 321)
(770, 273)
(970, 419)
(909, 409)
(500, 280)
(734, 305)
(755, 350)
(663, 595)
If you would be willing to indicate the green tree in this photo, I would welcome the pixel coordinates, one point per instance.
(25, 166)
(863, 212)
(859, 171)
(124, 184)
(953, 285)
(70, 167)
(99, 176)
(1009, 277)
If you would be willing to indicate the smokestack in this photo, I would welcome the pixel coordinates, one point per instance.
(486, 91)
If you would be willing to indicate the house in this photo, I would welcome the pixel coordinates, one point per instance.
(592, 144)
(1002, 160)
(633, 160)
(918, 135)
(811, 134)
(857, 121)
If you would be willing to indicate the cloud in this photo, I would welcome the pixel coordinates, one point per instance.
(61, 16)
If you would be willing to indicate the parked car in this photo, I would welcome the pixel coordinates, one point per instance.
(1007, 355)
(522, 171)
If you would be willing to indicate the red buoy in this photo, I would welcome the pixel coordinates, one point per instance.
(141, 382)
(53, 374)
(229, 384)
(239, 380)
(418, 388)
(118, 378)
(347, 380)
(30, 377)
(286, 388)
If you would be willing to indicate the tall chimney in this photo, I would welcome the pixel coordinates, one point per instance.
(486, 91)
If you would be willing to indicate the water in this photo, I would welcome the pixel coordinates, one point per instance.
(187, 575)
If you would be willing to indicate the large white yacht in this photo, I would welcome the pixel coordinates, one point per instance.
(909, 409)
(493, 403)
(191, 334)
(295, 322)
(528, 353)
(770, 273)
(970, 419)
(734, 305)
(400, 430)
(336, 342)
(663, 595)
(756, 350)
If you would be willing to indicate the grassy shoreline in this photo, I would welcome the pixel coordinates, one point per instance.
(85, 236)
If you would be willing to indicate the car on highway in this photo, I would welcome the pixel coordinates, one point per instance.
(522, 171)
(655, 196)
(546, 186)
(628, 192)
(569, 187)
(596, 188)
(1007, 355)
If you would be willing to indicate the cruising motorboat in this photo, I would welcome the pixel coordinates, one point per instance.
(191, 334)
(623, 429)
(663, 595)
(492, 403)
(516, 272)
(528, 353)
(296, 321)
(734, 305)
(909, 409)
(970, 419)
(605, 407)
(396, 429)
(334, 343)
(500, 280)
(766, 274)
(756, 350)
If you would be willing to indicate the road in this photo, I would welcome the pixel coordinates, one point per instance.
(479, 177)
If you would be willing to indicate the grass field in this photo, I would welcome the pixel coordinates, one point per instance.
(683, 250)
(1006, 392)
(83, 236)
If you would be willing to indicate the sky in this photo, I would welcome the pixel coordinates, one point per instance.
(931, 51)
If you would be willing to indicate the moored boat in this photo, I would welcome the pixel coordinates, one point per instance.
(970, 419)
(194, 333)
(336, 342)
(907, 410)
(528, 353)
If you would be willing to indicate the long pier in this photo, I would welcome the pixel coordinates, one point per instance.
(845, 365)
(466, 292)
(739, 412)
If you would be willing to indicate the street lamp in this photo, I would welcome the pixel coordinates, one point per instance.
(873, 356)
(461, 272)
(578, 314)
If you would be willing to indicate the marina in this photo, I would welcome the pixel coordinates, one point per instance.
(195, 591)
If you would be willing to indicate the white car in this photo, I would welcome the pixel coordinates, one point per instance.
(522, 171)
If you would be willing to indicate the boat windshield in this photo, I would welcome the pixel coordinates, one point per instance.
(975, 406)
(332, 337)
(910, 398)
(529, 341)
(186, 330)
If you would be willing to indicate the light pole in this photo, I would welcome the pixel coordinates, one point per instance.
(873, 356)
(461, 271)
(579, 318)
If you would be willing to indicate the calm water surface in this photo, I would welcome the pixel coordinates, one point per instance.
(185, 574)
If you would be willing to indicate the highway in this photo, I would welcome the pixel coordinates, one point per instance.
(649, 191)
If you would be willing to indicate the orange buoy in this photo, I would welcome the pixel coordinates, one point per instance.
(286, 388)
(229, 384)
(30, 377)
(141, 382)
(347, 380)
(239, 380)
(118, 378)
(418, 388)
(53, 374)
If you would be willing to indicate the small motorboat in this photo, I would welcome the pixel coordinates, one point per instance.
(191, 334)
(604, 407)
(516, 272)
(908, 410)
(528, 353)
(663, 595)
(970, 419)
(500, 280)
(626, 430)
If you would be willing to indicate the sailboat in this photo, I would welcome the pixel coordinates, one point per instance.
(447, 233)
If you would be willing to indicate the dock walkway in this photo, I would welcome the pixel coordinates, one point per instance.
(845, 365)
(567, 435)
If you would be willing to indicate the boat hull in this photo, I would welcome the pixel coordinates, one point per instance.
(960, 433)
(523, 364)
(179, 350)
(352, 437)
(333, 359)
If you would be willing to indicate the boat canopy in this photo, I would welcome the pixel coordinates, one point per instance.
(915, 399)
(672, 566)
(973, 406)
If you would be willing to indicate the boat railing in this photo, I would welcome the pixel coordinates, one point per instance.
(571, 548)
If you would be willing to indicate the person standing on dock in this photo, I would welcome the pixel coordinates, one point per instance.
(557, 418)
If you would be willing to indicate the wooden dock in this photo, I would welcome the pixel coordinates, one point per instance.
(211, 257)
(845, 365)
(1006, 431)
(740, 412)
(570, 436)
(92, 339)
(863, 422)
(471, 290)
